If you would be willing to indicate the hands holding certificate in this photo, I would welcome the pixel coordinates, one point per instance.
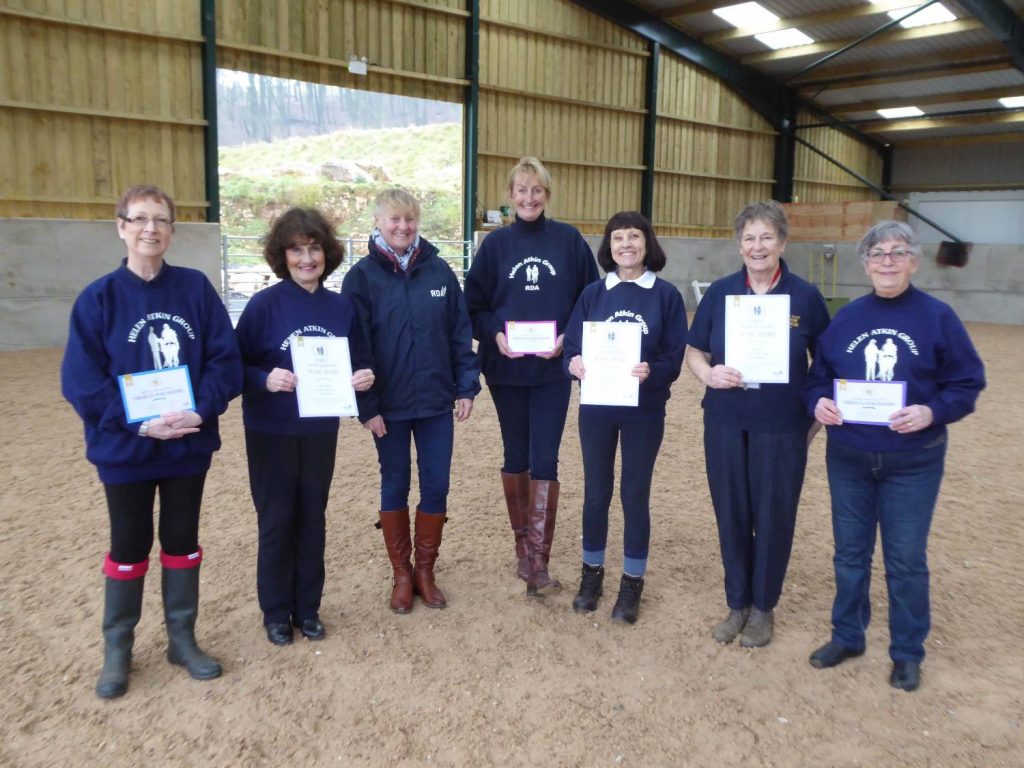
(171, 426)
(911, 418)
(503, 346)
(576, 368)
(283, 380)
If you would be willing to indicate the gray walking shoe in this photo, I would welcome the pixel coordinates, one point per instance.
(725, 631)
(758, 631)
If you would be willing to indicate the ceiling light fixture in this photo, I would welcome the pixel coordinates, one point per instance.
(746, 15)
(784, 38)
(1012, 102)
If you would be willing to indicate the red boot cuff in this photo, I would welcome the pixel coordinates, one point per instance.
(181, 561)
(124, 571)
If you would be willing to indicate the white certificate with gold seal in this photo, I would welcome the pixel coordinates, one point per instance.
(531, 337)
(323, 373)
(757, 337)
(610, 351)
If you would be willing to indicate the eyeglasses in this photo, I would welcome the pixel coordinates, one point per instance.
(896, 254)
(160, 222)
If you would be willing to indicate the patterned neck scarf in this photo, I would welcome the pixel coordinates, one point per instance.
(403, 261)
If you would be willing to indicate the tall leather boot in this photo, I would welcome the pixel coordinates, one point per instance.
(180, 582)
(428, 541)
(122, 608)
(395, 527)
(540, 534)
(517, 499)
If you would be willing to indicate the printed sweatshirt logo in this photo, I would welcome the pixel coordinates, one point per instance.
(306, 330)
(881, 352)
(439, 293)
(629, 316)
(164, 342)
(531, 267)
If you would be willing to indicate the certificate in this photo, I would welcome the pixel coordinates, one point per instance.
(149, 394)
(323, 372)
(757, 337)
(869, 402)
(610, 350)
(530, 337)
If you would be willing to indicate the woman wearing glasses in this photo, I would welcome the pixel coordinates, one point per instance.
(884, 472)
(145, 316)
(755, 434)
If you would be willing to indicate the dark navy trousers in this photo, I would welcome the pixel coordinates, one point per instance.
(532, 420)
(755, 480)
(290, 477)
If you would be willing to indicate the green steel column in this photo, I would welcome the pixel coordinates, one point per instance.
(650, 131)
(210, 165)
(469, 123)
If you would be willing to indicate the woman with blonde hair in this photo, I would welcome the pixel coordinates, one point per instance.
(413, 314)
(532, 270)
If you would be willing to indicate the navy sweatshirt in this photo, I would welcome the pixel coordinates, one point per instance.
(772, 407)
(271, 319)
(526, 271)
(660, 311)
(420, 338)
(123, 324)
(922, 341)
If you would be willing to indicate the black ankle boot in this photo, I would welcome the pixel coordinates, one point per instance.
(591, 581)
(627, 607)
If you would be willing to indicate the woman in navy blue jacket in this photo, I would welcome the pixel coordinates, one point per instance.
(884, 474)
(756, 436)
(630, 293)
(532, 270)
(291, 459)
(147, 315)
(413, 312)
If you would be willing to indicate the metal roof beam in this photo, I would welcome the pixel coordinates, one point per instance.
(956, 97)
(1005, 25)
(891, 36)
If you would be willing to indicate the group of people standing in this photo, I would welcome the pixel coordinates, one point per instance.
(410, 330)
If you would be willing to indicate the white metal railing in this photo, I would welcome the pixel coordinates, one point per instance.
(244, 270)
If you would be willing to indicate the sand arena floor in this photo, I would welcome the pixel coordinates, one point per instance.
(496, 679)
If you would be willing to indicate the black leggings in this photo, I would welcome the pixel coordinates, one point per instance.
(131, 516)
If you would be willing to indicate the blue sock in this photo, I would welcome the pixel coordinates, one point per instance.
(634, 566)
(593, 559)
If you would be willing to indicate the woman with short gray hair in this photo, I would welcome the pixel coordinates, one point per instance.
(884, 470)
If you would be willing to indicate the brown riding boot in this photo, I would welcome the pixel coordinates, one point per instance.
(517, 499)
(541, 532)
(395, 527)
(428, 541)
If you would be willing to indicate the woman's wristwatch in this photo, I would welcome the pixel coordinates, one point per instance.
(143, 429)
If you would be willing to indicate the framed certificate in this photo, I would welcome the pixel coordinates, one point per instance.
(323, 373)
(610, 350)
(149, 394)
(531, 337)
(757, 337)
(869, 402)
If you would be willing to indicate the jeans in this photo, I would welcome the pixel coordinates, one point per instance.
(531, 421)
(600, 435)
(894, 492)
(434, 437)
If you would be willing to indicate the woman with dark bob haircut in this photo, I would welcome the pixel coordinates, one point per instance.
(630, 293)
(291, 458)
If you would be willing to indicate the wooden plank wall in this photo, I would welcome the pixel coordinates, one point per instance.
(96, 96)
(412, 47)
(564, 85)
(713, 155)
(816, 180)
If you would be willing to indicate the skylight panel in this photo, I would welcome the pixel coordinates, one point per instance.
(889, 114)
(1012, 102)
(784, 38)
(936, 13)
(746, 15)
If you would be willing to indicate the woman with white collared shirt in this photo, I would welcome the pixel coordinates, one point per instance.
(632, 293)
